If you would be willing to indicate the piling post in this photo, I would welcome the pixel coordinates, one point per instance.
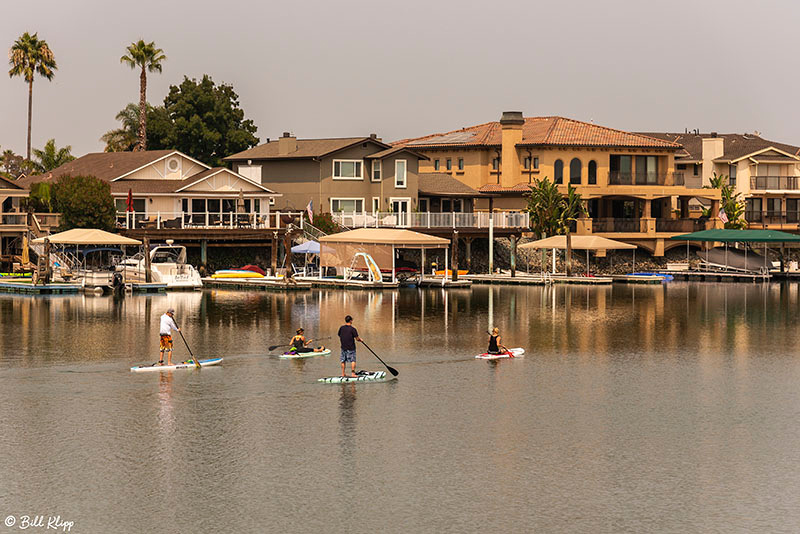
(513, 256)
(148, 277)
(274, 254)
(47, 270)
(203, 251)
(455, 256)
(468, 252)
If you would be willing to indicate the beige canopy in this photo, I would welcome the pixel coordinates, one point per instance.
(88, 236)
(387, 236)
(579, 242)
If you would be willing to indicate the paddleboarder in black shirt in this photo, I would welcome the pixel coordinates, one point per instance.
(348, 337)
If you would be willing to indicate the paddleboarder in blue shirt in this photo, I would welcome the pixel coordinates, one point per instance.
(348, 336)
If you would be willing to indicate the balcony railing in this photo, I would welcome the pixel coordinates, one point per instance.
(616, 225)
(766, 183)
(649, 178)
(14, 219)
(132, 220)
(772, 217)
(431, 220)
(680, 225)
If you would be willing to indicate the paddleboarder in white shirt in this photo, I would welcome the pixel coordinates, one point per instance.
(167, 326)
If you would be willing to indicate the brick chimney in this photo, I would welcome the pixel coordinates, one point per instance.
(287, 144)
(511, 123)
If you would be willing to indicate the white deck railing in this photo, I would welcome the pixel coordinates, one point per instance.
(431, 220)
(131, 220)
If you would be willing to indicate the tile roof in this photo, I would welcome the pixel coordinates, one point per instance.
(306, 148)
(103, 165)
(735, 146)
(556, 131)
(442, 184)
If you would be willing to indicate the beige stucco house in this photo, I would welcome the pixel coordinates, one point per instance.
(766, 173)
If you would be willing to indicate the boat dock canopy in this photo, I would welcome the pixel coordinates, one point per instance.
(579, 242)
(338, 250)
(739, 236)
(88, 236)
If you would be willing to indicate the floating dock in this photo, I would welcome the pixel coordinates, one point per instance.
(638, 279)
(20, 286)
(535, 280)
(255, 284)
(718, 276)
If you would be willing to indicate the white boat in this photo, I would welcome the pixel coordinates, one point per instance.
(167, 266)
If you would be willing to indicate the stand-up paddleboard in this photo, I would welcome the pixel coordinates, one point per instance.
(292, 355)
(510, 353)
(183, 365)
(363, 376)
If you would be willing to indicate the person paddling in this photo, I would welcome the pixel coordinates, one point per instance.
(494, 342)
(348, 336)
(299, 343)
(167, 326)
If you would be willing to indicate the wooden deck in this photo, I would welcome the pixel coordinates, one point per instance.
(535, 280)
(11, 286)
(718, 276)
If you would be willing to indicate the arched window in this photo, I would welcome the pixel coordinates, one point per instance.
(575, 171)
(558, 172)
(593, 172)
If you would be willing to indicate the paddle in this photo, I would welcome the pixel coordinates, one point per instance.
(196, 363)
(273, 347)
(391, 369)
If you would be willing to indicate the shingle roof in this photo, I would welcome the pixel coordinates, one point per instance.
(735, 146)
(103, 165)
(394, 150)
(165, 186)
(442, 184)
(9, 184)
(306, 148)
(556, 131)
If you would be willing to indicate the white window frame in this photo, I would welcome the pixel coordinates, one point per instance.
(376, 204)
(360, 166)
(405, 199)
(330, 203)
(405, 175)
(380, 170)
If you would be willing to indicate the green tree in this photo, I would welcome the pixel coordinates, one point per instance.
(149, 58)
(14, 165)
(202, 120)
(29, 56)
(51, 157)
(84, 202)
(40, 199)
(732, 202)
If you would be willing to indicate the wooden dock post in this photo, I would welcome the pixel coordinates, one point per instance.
(204, 251)
(468, 252)
(513, 239)
(148, 277)
(454, 261)
(274, 253)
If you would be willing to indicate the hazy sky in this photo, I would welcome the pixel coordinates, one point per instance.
(340, 68)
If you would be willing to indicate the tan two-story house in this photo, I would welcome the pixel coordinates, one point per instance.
(629, 182)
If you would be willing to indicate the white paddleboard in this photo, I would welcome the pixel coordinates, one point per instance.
(294, 355)
(510, 353)
(182, 365)
(363, 376)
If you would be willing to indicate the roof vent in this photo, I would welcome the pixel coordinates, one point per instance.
(713, 134)
(286, 134)
(373, 136)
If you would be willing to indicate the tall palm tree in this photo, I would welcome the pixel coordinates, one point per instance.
(51, 157)
(125, 138)
(29, 56)
(148, 58)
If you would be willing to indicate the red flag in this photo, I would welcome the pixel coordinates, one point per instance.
(129, 203)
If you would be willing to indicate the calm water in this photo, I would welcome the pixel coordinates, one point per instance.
(669, 408)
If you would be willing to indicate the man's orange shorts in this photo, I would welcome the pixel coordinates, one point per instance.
(166, 342)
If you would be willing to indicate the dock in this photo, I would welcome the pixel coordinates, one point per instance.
(718, 276)
(638, 279)
(20, 286)
(254, 284)
(535, 280)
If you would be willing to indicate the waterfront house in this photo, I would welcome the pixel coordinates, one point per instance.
(628, 180)
(347, 174)
(169, 189)
(767, 173)
(13, 222)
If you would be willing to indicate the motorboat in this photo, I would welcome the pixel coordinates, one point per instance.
(167, 266)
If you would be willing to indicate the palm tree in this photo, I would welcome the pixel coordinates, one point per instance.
(125, 138)
(29, 56)
(148, 58)
(571, 208)
(51, 157)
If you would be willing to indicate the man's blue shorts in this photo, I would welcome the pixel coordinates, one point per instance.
(348, 356)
